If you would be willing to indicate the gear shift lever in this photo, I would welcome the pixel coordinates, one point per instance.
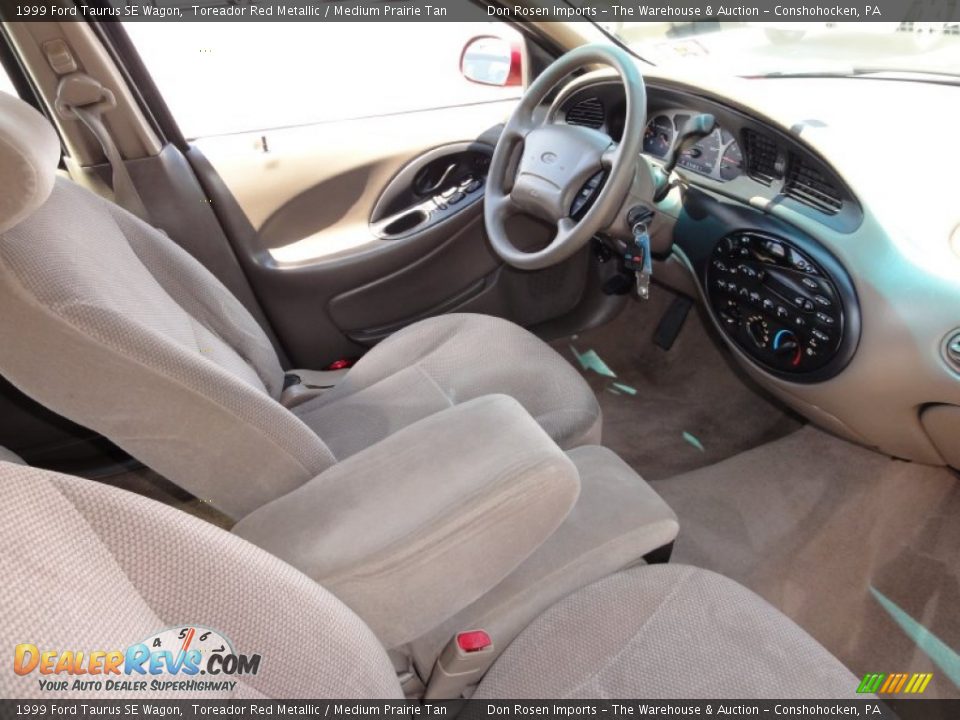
(693, 131)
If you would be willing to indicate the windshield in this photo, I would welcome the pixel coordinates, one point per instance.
(770, 48)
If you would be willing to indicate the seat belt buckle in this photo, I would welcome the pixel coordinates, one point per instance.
(473, 641)
(462, 663)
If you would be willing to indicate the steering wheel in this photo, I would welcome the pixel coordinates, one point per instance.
(561, 164)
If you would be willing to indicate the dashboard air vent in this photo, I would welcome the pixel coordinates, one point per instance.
(761, 154)
(807, 183)
(587, 112)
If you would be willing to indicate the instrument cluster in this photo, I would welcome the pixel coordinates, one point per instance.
(717, 156)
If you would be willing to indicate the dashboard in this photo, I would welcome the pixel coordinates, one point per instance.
(777, 294)
(815, 255)
(748, 157)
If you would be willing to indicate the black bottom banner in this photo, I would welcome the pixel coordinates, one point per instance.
(476, 709)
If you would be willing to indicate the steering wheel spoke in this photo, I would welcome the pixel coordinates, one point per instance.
(565, 228)
(609, 156)
(518, 128)
(500, 203)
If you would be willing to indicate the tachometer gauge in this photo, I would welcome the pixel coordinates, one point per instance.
(702, 157)
(731, 162)
(658, 137)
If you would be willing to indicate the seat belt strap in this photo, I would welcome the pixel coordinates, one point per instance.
(82, 97)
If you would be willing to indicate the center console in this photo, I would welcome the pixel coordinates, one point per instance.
(777, 303)
(776, 293)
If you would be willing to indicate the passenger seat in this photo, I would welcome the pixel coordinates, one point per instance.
(7, 456)
(132, 567)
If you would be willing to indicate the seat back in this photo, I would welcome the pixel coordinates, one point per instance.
(133, 568)
(120, 330)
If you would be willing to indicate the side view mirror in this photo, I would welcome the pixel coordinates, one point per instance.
(489, 60)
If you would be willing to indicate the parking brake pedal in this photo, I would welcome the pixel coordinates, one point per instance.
(672, 322)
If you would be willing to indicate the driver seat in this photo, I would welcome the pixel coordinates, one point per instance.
(120, 330)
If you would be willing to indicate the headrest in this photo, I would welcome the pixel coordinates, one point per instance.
(29, 155)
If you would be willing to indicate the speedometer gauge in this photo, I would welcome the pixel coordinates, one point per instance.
(731, 162)
(658, 137)
(702, 157)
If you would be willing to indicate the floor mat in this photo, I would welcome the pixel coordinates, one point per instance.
(812, 523)
(667, 412)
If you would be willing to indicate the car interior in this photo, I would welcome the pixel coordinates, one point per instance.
(597, 378)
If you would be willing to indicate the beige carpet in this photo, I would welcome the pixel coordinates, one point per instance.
(810, 522)
(694, 388)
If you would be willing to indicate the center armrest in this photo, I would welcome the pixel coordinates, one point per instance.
(414, 528)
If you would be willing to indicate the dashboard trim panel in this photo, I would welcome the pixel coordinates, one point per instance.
(771, 191)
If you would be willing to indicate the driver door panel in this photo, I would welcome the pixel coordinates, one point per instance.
(461, 275)
(330, 275)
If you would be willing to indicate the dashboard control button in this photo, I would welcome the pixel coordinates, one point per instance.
(800, 262)
(730, 315)
(455, 198)
(768, 304)
(758, 331)
(825, 319)
(782, 312)
(822, 301)
(810, 283)
(775, 248)
(820, 335)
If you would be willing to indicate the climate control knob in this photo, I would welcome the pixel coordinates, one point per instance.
(787, 344)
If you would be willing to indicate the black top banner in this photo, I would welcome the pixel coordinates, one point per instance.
(945, 12)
